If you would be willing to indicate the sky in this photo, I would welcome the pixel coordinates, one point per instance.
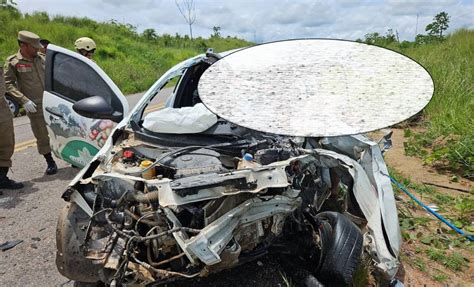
(264, 21)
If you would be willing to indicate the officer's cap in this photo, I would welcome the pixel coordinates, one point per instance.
(30, 38)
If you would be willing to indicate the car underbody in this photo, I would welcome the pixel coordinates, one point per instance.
(204, 205)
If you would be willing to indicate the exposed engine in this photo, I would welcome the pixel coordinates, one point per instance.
(195, 210)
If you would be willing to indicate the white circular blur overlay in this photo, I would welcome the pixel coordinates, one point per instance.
(315, 87)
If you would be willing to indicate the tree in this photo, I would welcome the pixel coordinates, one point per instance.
(7, 3)
(11, 7)
(390, 36)
(377, 39)
(149, 34)
(372, 38)
(440, 24)
(216, 32)
(186, 8)
(426, 39)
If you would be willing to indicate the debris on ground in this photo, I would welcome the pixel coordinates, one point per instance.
(10, 244)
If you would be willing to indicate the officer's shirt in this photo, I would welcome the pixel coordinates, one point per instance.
(24, 78)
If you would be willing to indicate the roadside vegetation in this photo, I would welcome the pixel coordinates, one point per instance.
(429, 245)
(446, 140)
(133, 60)
(444, 134)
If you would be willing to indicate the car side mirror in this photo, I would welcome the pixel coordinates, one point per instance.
(97, 108)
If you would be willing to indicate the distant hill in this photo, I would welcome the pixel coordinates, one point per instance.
(132, 60)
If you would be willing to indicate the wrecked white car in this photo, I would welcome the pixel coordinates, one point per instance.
(162, 202)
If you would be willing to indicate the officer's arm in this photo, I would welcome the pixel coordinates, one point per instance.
(2, 85)
(10, 83)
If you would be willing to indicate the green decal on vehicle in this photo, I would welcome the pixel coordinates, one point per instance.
(78, 153)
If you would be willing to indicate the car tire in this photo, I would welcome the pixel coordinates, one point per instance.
(70, 261)
(13, 105)
(341, 248)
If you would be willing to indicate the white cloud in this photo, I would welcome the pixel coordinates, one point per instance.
(269, 20)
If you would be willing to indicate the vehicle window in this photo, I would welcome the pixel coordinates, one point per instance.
(164, 97)
(74, 80)
(187, 93)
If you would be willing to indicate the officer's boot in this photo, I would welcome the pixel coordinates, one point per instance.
(52, 167)
(5, 182)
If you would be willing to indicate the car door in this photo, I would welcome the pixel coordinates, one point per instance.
(81, 105)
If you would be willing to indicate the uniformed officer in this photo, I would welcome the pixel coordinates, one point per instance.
(7, 140)
(44, 43)
(24, 78)
(85, 46)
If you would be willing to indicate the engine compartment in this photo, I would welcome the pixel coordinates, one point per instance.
(161, 213)
(195, 210)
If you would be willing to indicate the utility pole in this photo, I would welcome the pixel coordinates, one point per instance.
(416, 28)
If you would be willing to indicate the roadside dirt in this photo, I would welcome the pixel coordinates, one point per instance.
(413, 169)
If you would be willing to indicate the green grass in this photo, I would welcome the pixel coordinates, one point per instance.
(440, 277)
(435, 254)
(361, 275)
(420, 264)
(454, 261)
(132, 61)
(448, 142)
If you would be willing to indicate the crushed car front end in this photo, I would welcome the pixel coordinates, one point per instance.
(204, 208)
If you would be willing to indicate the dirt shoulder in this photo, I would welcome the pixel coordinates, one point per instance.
(413, 168)
(424, 253)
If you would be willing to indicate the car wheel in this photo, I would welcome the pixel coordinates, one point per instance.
(341, 248)
(13, 105)
(70, 261)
